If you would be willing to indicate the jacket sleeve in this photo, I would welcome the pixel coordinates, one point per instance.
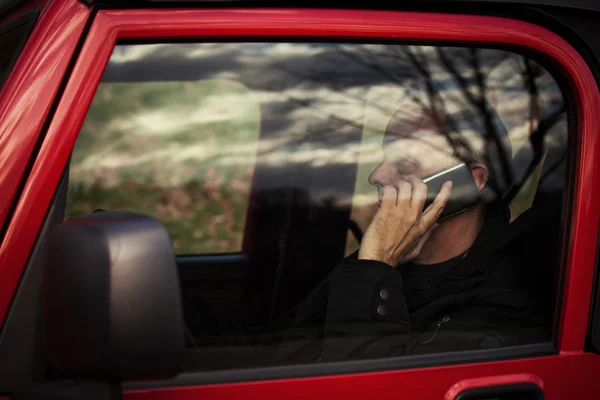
(366, 312)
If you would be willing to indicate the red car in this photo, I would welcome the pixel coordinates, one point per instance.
(176, 176)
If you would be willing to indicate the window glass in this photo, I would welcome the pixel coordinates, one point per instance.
(321, 168)
(180, 151)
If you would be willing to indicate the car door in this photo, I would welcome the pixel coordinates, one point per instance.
(254, 134)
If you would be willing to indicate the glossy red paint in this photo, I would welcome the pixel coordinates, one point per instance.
(144, 24)
(25, 102)
(567, 382)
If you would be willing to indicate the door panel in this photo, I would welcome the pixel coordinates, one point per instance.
(560, 377)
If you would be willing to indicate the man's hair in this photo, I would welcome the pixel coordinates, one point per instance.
(475, 136)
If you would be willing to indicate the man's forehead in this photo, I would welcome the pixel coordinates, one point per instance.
(419, 139)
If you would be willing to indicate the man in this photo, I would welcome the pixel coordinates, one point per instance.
(415, 285)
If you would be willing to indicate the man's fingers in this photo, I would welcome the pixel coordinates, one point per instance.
(419, 193)
(389, 195)
(432, 213)
(404, 193)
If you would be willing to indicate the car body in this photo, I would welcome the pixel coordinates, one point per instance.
(51, 86)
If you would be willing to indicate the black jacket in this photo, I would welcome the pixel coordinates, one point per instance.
(364, 310)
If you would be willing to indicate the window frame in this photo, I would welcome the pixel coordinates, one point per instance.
(141, 25)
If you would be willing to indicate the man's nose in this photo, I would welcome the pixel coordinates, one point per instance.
(378, 176)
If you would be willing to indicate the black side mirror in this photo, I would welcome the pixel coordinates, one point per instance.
(112, 300)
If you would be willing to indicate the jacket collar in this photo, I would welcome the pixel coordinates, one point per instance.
(490, 238)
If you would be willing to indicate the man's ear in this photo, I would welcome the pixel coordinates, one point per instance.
(481, 174)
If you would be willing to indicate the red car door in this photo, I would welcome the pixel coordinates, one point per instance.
(144, 74)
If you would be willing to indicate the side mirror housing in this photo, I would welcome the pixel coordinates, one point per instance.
(111, 298)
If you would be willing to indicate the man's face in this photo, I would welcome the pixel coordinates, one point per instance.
(422, 154)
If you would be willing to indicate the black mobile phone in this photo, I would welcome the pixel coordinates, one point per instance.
(464, 189)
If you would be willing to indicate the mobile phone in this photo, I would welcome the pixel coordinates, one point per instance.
(464, 189)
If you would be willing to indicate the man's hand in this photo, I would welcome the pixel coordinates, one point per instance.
(400, 227)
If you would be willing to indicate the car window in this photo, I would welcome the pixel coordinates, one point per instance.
(316, 172)
(158, 148)
(12, 37)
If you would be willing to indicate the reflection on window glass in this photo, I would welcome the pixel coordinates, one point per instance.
(324, 166)
(180, 151)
